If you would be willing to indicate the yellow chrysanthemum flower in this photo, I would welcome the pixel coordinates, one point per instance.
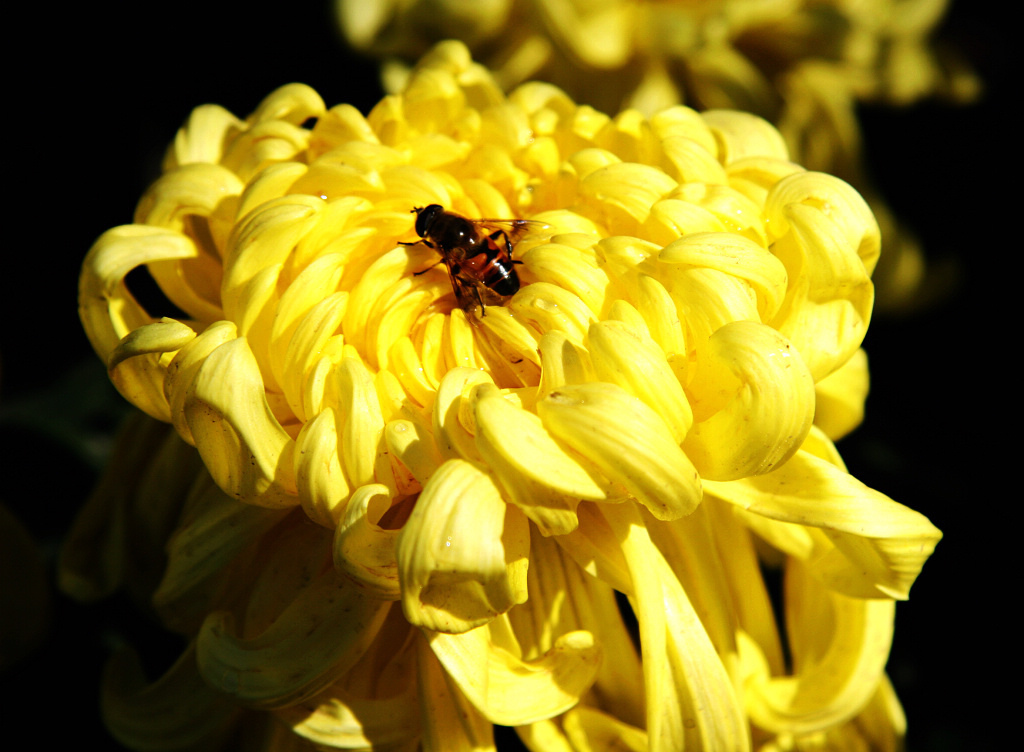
(803, 64)
(391, 523)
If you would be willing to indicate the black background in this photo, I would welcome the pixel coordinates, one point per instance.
(97, 93)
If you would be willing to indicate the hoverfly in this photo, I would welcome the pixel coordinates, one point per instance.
(477, 253)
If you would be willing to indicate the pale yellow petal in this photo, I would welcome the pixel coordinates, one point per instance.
(247, 451)
(753, 399)
(363, 549)
(462, 555)
(451, 720)
(863, 543)
(840, 397)
(737, 256)
(627, 441)
(361, 441)
(536, 473)
(828, 305)
(509, 690)
(320, 478)
(835, 670)
(628, 357)
(691, 701)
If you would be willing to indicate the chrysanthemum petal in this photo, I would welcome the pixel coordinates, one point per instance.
(691, 701)
(589, 728)
(828, 306)
(210, 540)
(320, 479)
(139, 362)
(840, 397)
(535, 472)
(868, 546)
(317, 638)
(509, 690)
(627, 441)
(761, 399)
(451, 720)
(835, 671)
(738, 257)
(462, 554)
(625, 356)
(363, 549)
(106, 307)
(243, 445)
(178, 711)
(361, 441)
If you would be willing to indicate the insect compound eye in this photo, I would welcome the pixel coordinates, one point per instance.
(425, 218)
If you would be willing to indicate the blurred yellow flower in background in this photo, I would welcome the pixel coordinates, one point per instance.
(805, 65)
(390, 523)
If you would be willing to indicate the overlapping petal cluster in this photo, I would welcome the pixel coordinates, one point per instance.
(392, 523)
(804, 65)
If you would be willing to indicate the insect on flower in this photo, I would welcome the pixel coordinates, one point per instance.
(477, 253)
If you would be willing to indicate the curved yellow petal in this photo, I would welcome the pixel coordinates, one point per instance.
(109, 311)
(864, 544)
(319, 636)
(737, 256)
(536, 473)
(828, 305)
(691, 701)
(835, 671)
(240, 440)
(363, 549)
(451, 720)
(462, 555)
(509, 690)
(623, 355)
(840, 397)
(182, 371)
(320, 478)
(627, 441)
(753, 398)
(138, 365)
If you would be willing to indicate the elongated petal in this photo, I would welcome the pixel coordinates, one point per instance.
(761, 399)
(109, 311)
(836, 671)
(320, 479)
(691, 700)
(625, 356)
(535, 472)
(247, 451)
(627, 441)
(509, 690)
(828, 306)
(138, 365)
(315, 640)
(462, 555)
(451, 721)
(869, 546)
